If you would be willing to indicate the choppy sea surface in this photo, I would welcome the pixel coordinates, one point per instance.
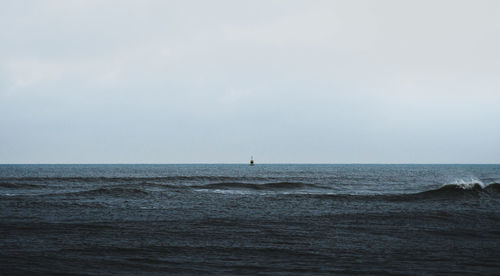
(238, 219)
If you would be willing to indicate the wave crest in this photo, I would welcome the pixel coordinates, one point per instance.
(463, 187)
(467, 184)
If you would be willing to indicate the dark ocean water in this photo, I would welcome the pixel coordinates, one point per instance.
(237, 219)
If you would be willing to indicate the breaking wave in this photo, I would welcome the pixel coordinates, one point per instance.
(464, 187)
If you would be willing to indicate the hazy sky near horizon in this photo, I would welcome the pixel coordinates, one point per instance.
(130, 81)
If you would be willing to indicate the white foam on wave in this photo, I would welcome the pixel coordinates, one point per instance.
(467, 184)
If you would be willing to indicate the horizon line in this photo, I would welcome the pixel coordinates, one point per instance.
(239, 163)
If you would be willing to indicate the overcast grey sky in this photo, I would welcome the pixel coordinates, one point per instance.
(218, 81)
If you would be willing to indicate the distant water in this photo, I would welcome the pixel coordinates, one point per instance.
(238, 219)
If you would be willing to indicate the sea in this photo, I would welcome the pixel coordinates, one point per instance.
(267, 219)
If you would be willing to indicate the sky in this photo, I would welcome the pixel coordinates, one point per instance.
(128, 81)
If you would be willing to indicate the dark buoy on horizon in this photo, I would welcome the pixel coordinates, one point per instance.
(251, 161)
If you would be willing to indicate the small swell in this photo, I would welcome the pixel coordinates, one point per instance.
(9, 185)
(254, 186)
(160, 179)
(113, 192)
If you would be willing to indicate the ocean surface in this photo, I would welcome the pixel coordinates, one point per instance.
(238, 219)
